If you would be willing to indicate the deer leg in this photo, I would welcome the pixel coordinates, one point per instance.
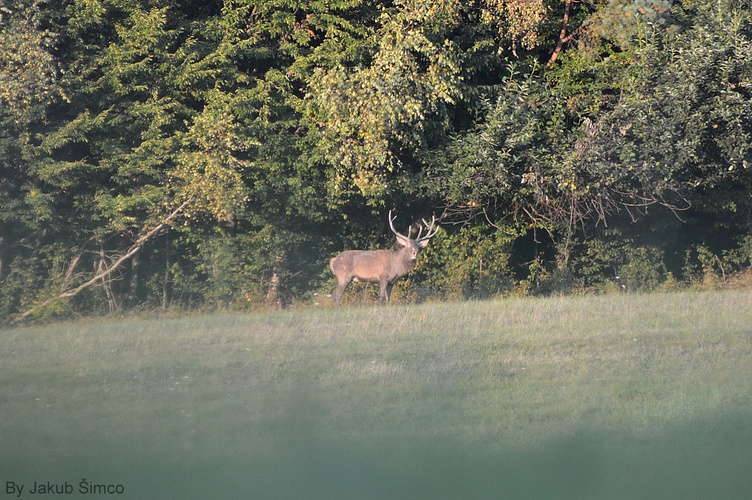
(385, 288)
(341, 285)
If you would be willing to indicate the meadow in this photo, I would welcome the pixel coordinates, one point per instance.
(617, 396)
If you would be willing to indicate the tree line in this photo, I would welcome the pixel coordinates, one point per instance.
(215, 154)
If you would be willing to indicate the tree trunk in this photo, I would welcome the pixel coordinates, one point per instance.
(166, 282)
(563, 36)
(273, 298)
(135, 284)
(106, 280)
(2, 251)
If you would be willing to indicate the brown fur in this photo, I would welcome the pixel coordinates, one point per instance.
(384, 267)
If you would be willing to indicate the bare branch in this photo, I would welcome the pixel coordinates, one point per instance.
(107, 271)
(69, 274)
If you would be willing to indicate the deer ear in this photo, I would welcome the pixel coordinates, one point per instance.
(423, 243)
(403, 240)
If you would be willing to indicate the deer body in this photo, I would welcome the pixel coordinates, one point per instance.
(384, 267)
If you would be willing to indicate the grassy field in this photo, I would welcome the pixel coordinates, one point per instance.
(622, 396)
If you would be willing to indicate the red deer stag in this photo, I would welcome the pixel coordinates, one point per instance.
(384, 267)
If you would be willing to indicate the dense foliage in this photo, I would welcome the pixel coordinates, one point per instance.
(193, 153)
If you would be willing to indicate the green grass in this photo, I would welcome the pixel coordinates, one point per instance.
(622, 396)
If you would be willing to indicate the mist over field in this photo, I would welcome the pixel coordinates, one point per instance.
(621, 396)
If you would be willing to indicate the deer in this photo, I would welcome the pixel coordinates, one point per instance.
(384, 267)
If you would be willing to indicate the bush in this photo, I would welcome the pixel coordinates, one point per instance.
(613, 261)
(469, 264)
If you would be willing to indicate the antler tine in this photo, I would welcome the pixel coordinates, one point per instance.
(430, 227)
(391, 225)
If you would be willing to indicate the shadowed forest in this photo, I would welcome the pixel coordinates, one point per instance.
(206, 154)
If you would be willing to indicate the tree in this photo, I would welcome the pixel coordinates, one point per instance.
(142, 137)
(378, 116)
(653, 123)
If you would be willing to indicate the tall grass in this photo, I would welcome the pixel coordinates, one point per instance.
(622, 396)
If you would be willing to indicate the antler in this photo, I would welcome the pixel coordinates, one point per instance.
(391, 225)
(430, 227)
(431, 231)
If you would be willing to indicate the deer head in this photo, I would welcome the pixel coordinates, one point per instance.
(414, 245)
